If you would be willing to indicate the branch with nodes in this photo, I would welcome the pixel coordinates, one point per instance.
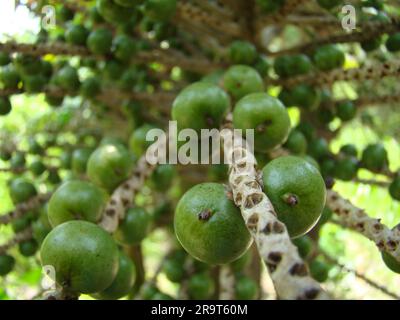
(356, 219)
(24, 207)
(18, 238)
(288, 271)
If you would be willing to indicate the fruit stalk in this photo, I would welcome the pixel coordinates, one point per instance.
(287, 270)
(356, 219)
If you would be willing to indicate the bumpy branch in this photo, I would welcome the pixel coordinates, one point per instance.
(24, 208)
(288, 272)
(356, 219)
(18, 238)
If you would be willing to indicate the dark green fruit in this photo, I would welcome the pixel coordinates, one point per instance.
(162, 177)
(200, 105)
(393, 42)
(246, 288)
(391, 262)
(109, 165)
(346, 110)
(67, 78)
(296, 142)
(319, 148)
(40, 230)
(137, 141)
(329, 57)
(112, 12)
(17, 160)
(5, 106)
(113, 69)
(374, 157)
(53, 100)
(319, 270)
(10, 77)
(34, 146)
(329, 4)
(293, 65)
(135, 226)
(308, 130)
(34, 83)
(76, 35)
(79, 160)
(22, 223)
(349, 150)
(267, 115)
(28, 248)
(21, 190)
(174, 270)
(201, 286)
(100, 41)
(64, 13)
(27, 64)
(37, 168)
(326, 216)
(76, 200)
(209, 226)
(304, 244)
(66, 160)
(160, 10)
(297, 192)
(149, 291)
(4, 58)
(53, 177)
(123, 281)
(240, 264)
(394, 188)
(242, 52)
(346, 168)
(124, 48)
(84, 256)
(90, 87)
(240, 81)
(305, 96)
(6, 264)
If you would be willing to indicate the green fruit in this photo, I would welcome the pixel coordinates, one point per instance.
(123, 281)
(5, 106)
(112, 12)
(135, 226)
(201, 286)
(109, 165)
(160, 10)
(242, 52)
(214, 77)
(4, 58)
(305, 96)
(90, 88)
(393, 42)
(209, 226)
(394, 188)
(174, 270)
(6, 264)
(162, 177)
(346, 110)
(76, 200)
(391, 262)
(54, 101)
(40, 231)
(308, 130)
(329, 57)
(67, 78)
(79, 160)
(293, 65)
(27, 64)
(374, 157)
(304, 245)
(326, 216)
(297, 192)
(149, 291)
(267, 115)
(246, 288)
(28, 248)
(371, 44)
(66, 160)
(113, 69)
(9, 77)
(124, 48)
(201, 105)
(269, 6)
(242, 263)
(18, 160)
(329, 4)
(296, 142)
(99, 41)
(319, 270)
(64, 13)
(137, 141)
(34, 83)
(262, 66)
(328, 167)
(21, 224)
(76, 35)
(37, 168)
(319, 148)
(21, 190)
(84, 256)
(346, 168)
(240, 81)
(34, 146)
(349, 150)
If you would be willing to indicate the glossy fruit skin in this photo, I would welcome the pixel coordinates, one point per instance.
(76, 35)
(242, 80)
(112, 12)
(329, 57)
(319, 270)
(79, 160)
(200, 105)
(160, 10)
(99, 41)
(346, 110)
(84, 256)
(294, 177)
(76, 200)
(137, 141)
(90, 87)
(21, 190)
(5, 106)
(319, 148)
(242, 52)
(135, 226)
(28, 248)
(374, 157)
(329, 4)
(304, 245)
(391, 262)
(162, 177)
(393, 42)
(293, 65)
(123, 281)
(246, 288)
(10, 77)
(222, 238)
(6, 264)
(296, 142)
(109, 165)
(67, 78)
(201, 286)
(124, 48)
(394, 188)
(346, 168)
(174, 270)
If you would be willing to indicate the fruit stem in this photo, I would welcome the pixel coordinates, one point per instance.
(291, 199)
(205, 215)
